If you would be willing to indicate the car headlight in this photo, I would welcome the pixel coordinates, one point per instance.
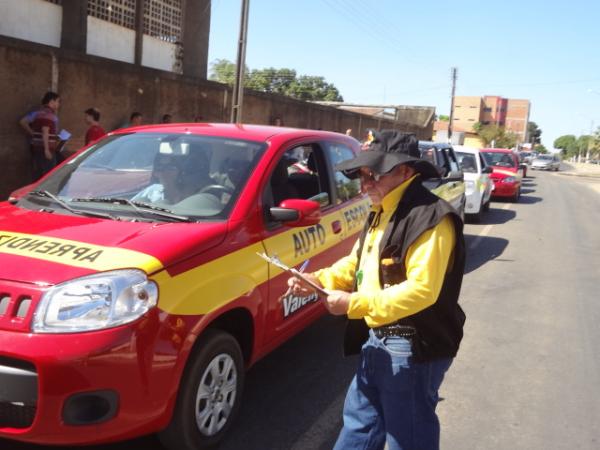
(95, 302)
(509, 180)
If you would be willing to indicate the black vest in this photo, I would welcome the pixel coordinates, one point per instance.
(439, 327)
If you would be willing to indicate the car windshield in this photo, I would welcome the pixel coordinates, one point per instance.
(467, 162)
(499, 159)
(152, 176)
(544, 158)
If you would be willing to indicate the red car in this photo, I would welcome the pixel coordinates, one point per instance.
(132, 299)
(505, 175)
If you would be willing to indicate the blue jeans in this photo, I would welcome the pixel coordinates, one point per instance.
(392, 399)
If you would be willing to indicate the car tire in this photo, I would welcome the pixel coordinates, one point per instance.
(211, 386)
(486, 205)
(517, 195)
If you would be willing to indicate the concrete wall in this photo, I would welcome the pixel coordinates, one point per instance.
(28, 70)
(31, 20)
(109, 40)
(158, 54)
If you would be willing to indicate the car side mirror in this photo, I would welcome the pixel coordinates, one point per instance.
(487, 169)
(295, 212)
(455, 175)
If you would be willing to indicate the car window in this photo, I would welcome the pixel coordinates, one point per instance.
(482, 162)
(299, 173)
(499, 159)
(346, 188)
(452, 160)
(467, 162)
(196, 176)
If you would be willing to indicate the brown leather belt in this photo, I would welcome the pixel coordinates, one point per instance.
(394, 330)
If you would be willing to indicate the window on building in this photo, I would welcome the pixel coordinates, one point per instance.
(119, 12)
(487, 109)
(162, 19)
(486, 122)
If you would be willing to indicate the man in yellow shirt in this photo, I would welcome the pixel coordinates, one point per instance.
(399, 288)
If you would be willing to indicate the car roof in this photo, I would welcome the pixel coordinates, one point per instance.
(259, 133)
(497, 150)
(465, 149)
(434, 144)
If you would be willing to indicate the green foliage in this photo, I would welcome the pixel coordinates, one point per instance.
(495, 134)
(278, 81)
(444, 118)
(540, 148)
(223, 71)
(567, 144)
(534, 133)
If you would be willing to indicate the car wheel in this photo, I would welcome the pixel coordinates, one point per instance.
(486, 205)
(209, 395)
(517, 195)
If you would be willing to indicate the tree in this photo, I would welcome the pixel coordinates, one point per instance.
(534, 133)
(278, 81)
(444, 118)
(567, 144)
(223, 71)
(495, 134)
(540, 148)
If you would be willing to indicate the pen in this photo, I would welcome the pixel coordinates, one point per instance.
(304, 266)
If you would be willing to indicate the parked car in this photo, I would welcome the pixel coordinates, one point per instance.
(132, 299)
(450, 186)
(478, 184)
(546, 162)
(505, 172)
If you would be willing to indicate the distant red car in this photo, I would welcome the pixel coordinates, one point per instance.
(505, 175)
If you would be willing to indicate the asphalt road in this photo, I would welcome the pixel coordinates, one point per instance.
(528, 373)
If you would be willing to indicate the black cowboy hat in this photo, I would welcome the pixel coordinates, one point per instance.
(386, 150)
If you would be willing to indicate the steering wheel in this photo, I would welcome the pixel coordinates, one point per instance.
(217, 189)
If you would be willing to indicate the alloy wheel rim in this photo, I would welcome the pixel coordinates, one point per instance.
(216, 394)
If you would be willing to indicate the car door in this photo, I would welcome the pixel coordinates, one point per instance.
(450, 186)
(487, 184)
(307, 175)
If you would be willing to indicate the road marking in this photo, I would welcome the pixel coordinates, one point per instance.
(486, 230)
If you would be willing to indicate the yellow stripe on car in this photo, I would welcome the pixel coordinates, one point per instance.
(75, 253)
(212, 285)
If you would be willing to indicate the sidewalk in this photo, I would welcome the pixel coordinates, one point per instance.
(580, 169)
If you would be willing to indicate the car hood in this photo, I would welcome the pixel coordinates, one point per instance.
(503, 172)
(49, 248)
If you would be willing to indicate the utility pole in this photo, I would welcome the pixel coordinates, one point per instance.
(237, 98)
(454, 70)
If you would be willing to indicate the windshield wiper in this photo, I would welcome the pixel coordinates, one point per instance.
(66, 206)
(140, 207)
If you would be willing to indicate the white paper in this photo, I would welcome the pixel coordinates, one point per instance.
(64, 135)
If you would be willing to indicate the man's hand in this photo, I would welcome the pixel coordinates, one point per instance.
(299, 288)
(337, 302)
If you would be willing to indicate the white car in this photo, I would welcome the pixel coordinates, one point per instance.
(546, 162)
(478, 184)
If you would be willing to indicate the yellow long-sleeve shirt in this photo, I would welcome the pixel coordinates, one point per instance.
(426, 264)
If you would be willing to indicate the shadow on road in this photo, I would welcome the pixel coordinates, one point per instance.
(294, 394)
(529, 199)
(480, 250)
(497, 216)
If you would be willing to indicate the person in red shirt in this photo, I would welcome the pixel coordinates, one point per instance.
(95, 131)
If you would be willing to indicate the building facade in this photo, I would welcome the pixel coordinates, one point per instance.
(513, 114)
(170, 35)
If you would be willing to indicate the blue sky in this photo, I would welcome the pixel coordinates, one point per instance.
(400, 52)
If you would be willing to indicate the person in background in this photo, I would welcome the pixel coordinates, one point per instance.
(136, 119)
(42, 127)
(95, 131)
(167, 118)
(399, 288)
